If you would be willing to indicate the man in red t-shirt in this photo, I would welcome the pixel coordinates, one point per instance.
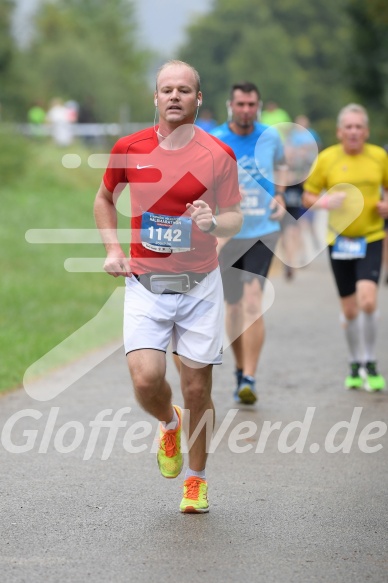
(179, 178)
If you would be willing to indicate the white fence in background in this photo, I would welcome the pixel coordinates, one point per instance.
(85, 130)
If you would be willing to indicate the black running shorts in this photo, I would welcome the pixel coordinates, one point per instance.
(252, 257)
(347, 272)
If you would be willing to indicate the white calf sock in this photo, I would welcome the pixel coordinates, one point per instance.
(369, 334)
(353, 337)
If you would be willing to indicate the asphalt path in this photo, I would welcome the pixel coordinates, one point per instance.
(288, 503)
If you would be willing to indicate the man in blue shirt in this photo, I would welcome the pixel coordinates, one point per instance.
(259, 153)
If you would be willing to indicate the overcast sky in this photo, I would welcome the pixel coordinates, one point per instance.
(162, 22)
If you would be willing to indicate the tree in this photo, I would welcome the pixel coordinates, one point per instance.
(294, 50)
(87, 49)
(378, 11)
(367, 71)
(6, 42)
(8, 58)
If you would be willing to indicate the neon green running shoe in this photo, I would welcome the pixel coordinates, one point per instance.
(169, 456)
(194, 499)
(354, 380)
(374, 380)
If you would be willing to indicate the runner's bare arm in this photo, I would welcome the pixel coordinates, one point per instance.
(278, 207)
(309, 198)
(326, 201)
(382, 206)
(116, 262)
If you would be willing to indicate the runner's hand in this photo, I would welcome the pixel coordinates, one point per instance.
(117, 264)
(332, 201)
(201, 214)
(278, 208)
(382, 208)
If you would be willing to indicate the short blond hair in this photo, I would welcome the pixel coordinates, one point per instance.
(180, 64)
(352, 108)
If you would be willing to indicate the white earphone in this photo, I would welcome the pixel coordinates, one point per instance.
(229, 109)
(156, 102)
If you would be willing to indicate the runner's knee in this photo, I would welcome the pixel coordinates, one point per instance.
(368, 304)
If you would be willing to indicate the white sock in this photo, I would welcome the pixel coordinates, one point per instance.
(353, 337)
(190, 473)
(171, 424)
(369, 333)
(249, 378)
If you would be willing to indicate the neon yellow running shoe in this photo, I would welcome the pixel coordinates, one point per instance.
(247, 391)
(354, 380)
(170, 459)
(374, 380)
(194, 499)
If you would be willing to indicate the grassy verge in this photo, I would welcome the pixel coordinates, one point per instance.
(42, 304)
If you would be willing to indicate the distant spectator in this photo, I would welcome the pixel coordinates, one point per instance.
(36, 114)
(36, 117)
(206, 121)
(73, 109)
(58, 117)
(86, 115)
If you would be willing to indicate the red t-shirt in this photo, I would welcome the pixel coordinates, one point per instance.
(161, 183)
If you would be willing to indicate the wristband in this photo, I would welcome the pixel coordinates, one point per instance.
(212, 226)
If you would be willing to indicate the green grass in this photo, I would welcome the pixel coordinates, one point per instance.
(41, 304)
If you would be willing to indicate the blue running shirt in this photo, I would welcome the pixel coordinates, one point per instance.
(257, 154)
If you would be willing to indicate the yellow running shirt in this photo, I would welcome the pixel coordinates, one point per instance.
(368, 171)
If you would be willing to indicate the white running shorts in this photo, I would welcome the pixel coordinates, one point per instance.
(193, 321)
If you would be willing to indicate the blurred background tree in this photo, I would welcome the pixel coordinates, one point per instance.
(10, 91)
(6, 42)
(83, 50)
(367, 71)
(311, 58)
(294, 51)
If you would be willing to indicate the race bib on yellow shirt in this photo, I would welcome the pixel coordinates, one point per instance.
(349, 248)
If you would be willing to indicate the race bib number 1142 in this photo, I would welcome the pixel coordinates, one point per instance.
(166, 234)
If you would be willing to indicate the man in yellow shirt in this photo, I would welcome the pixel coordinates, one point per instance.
(344, 171)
